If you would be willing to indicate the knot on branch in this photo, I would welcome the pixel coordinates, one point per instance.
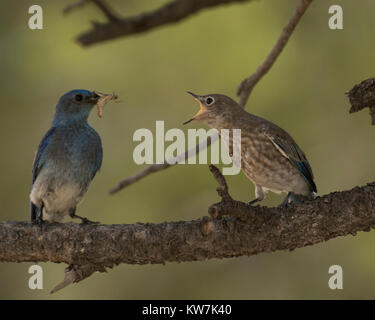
(362, 96)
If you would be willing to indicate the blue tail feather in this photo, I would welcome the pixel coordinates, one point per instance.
(34, 212)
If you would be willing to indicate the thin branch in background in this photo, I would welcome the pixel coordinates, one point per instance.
(101, 4)
(167, 164)
(107, 10)
(74, 5)
(244, 92)
(171, 12)
(248, 84)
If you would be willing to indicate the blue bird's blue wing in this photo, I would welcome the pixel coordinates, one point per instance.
(39, 161)
(289, 149)
(90, 145)
(41, 153)
(98, 160)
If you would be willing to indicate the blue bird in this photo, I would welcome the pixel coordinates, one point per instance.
(68, 157)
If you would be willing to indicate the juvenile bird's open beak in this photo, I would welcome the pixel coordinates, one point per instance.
(202, 109)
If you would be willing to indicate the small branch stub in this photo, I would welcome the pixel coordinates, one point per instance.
(227, 206)
(363, 96)
(75, 273)
(222, 189)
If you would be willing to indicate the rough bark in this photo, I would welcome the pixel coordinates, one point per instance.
(246, 231)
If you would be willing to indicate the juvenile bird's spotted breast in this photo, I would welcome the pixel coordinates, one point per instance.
(262, 162)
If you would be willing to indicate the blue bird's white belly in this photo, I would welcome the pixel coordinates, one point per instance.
(59, 195)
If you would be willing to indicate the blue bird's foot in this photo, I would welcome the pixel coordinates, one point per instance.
(38, 220)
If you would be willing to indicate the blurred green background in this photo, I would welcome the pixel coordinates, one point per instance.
(209, 52)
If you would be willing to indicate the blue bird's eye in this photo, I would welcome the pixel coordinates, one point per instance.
(78, 97)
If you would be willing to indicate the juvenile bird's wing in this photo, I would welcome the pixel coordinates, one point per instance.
(40, 156)
(285, 144)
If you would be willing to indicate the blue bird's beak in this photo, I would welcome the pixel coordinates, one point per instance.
(101, 99)
(94, 97)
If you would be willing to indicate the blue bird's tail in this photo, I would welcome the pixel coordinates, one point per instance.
(34, 212)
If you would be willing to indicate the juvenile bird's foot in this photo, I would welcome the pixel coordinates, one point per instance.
(259, 195)
(291, 199)
(83, 219)
(287, 200)
(254, 201)
(87, 221)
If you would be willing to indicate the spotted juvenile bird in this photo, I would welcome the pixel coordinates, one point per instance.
(67, 159)
(270, 157)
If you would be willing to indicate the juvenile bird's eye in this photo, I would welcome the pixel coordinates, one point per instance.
(78, 97)
(210, 101)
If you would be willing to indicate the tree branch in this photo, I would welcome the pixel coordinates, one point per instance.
(243, 92)
(101, 4)
(248, 84)
(167, 164)
(241, 230)
(172, 12)
(74, 5)
(107, 10)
